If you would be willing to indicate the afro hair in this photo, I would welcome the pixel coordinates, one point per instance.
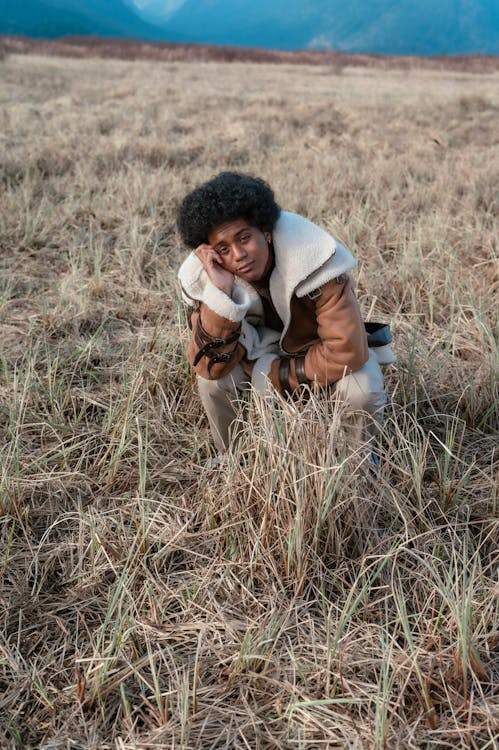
(227, 196)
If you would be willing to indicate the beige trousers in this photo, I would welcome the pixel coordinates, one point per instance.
(362, 391)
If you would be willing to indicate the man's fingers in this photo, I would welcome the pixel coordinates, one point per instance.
(214, 267)
(206, 254)
(204, 248)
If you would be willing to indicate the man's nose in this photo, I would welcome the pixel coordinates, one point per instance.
(239, 251)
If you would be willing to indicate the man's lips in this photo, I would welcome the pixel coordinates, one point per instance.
(245, 268)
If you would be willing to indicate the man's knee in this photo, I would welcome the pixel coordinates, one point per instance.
(209, 388)
(229, 384)
(219, 398)
(364, 390)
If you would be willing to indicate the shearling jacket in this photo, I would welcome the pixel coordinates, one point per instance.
(323, 336)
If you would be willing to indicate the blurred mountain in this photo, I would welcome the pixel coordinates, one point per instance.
(54, 18)
(414, 27)
(405, 27)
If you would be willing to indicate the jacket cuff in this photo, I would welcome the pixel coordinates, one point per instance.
(261, 371)
(196, 285)
(232, 308)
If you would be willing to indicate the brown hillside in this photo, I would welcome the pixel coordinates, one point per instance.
(123, 49)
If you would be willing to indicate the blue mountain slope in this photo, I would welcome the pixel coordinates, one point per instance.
(54, 18)
(418, 27)
(280, 24)
(421, 27)
(380, 26)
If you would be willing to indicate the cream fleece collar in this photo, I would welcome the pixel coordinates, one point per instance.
(306, 256)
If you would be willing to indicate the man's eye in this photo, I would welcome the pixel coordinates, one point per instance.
(246, 237)
(223, 250)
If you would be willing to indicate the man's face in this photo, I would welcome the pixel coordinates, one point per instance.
(243, 249)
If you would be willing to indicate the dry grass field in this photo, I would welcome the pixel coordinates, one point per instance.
(290, 600)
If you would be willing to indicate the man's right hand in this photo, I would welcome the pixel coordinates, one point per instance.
(213, 265)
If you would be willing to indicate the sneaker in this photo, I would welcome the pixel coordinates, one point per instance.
(216, 462)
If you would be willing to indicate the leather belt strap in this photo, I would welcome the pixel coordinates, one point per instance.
(202, 337)
(284, 367)
(206, 343)
(221, 357)
(300, 371)
(215, 344)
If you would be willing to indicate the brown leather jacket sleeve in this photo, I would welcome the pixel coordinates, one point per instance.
(341, 344)
(207, 353)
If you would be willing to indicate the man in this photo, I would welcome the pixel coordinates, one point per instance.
(272, 303)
